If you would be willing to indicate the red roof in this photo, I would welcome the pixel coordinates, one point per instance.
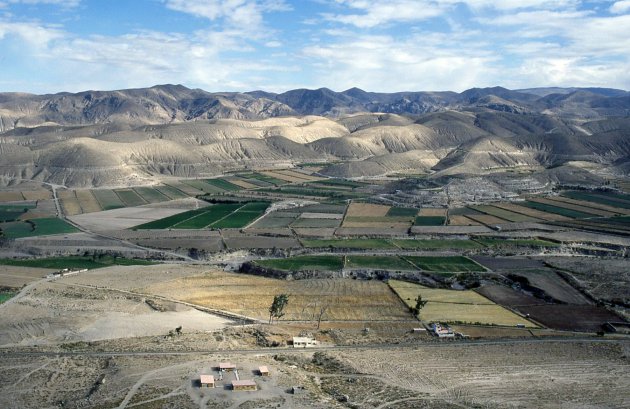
(207, 379)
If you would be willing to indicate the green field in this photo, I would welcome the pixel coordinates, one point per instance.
(430, 221)
(266, 178)
(36, 227)
(255, 207)
(74, 262)
(609, 199)
(211, 215)
(223, 185)
(151, 195)
(107, 199)
(10, 215)
(349, 243)
(237, 220)
(170, 221)
(402, 212)
(557, 210)
(5, 296)
(504, 214)
(130, 198)
(340, 182)
(378, 262)
(171, 192)
(439, 264)
(203, 186)
(302, 263)
(436, 244)
(316, 223)
(516, 243)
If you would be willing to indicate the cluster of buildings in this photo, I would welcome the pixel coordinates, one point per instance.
(229, 370)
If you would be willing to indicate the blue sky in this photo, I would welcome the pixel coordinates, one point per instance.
(276, 45)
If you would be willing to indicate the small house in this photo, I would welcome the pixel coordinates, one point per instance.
(442, 331)
(263, 371)
(303, 342)
(207, 381)
(227, 366)
(244, 385)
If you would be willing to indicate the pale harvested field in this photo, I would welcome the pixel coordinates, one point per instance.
(282, 176)
(42, 194)
(14, 276)
(371, 230)
(449, 229)
(125, 218)
(69, 202)
(88, 202)
(366, 210)
(462, 221)
(427, 211)
(451, 305)
(348, 300)
(302, 175)
(531, 212)
(11, 197)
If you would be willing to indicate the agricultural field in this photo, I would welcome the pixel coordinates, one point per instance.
(69, 202)
(171, 192)
(151, 195)
(349, 243)
(428, 244)
(504, 214)
(558, 210)
(107, 199)
(452, 306)
(429, 221)
(402, 212)
(608, 199)
(11, 197)
(221, 216)
(36, 227)
(130, 198)
(87, 201)
(223, 185)
(507, 243)
(527, 211)
(303, 263)
(392, 244)
(446, 264)
(89, 262)
(378, 263)
(345, 300)
(573, 206)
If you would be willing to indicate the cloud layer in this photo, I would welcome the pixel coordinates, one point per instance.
(278, 44)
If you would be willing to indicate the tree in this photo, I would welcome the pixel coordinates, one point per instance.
(277, 307)
(419, 304)
(320, 314)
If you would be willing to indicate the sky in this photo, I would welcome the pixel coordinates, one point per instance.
(49, 46)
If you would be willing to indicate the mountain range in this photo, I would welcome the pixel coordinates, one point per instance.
(136, 136)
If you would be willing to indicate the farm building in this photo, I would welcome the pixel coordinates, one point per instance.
(442, 331)
(303, 342)
(227, 366)
(244, 385)
(207, 381)
(263, 370)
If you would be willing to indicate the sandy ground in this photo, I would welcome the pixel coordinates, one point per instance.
(133, 216)
(14, 276)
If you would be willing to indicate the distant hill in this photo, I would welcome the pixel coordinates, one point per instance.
(97, 138)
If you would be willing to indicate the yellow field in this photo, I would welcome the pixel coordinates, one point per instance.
(69, 202)
(426, 211)
(299, 175)
(11, 196)
(241, 183)
(456, 306)
(281, 176)
(367, 210)
(87, 201)
(462, 221)
(41, 194)
(348, 300)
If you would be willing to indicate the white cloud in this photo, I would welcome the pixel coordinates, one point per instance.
(244, 13)
(620, 7)
(374, 13)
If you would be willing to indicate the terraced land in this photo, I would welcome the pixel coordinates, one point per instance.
(223, 185)
(151, 195)
(130, 198)
(609, 199)
(558, 210)
(504, 214)
(107, 199)
(452, 306)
